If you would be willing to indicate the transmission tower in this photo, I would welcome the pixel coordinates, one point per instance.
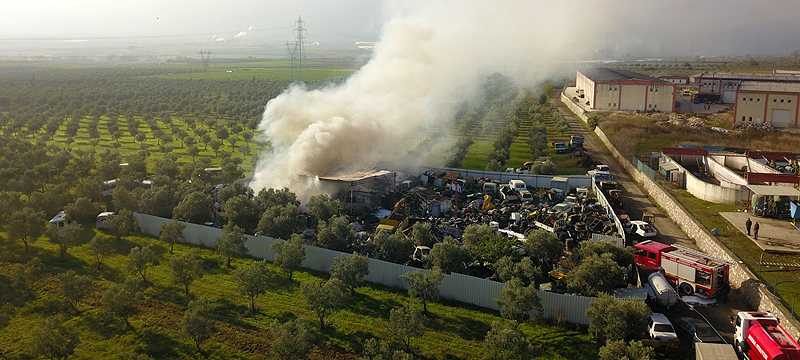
(295, 49)
(205, 58)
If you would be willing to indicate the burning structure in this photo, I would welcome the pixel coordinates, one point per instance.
(361, 189)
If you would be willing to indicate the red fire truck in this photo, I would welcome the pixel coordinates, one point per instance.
(691, 272)
(759, 336)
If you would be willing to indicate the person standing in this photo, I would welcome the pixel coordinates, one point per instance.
(747, 225)
(755, 231)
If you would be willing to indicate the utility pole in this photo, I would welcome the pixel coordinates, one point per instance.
(295, 49)
(205, 58)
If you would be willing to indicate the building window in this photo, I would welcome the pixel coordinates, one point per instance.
(781, 100)
(750, 118)
(742, 118)
(789, 101)
(758, 99)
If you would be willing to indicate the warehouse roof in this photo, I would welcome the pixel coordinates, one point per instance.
(751, 77)
(356, 176)
(606, 74)
(774, 190)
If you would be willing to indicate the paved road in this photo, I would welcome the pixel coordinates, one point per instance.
(635, 201)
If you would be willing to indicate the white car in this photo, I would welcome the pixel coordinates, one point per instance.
(643, 229)
(517, 185)
(660, 328)
(525, 195)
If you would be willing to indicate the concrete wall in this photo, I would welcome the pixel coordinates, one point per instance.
(751, 288)
(727, 177)
(457, 287)
(707, 191)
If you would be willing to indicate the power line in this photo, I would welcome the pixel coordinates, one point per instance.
(296, 49)
(205, 58)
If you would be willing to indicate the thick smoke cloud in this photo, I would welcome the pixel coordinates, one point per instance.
(431, 57)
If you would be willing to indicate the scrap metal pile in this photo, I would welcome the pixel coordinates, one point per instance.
(451, 204)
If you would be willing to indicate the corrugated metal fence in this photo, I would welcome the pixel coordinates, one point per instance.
(532, 181)
(457, 287)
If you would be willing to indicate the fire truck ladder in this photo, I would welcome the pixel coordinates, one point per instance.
(780, 260)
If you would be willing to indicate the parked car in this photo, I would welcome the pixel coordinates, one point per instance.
(698, 330)
(421, 253)
(643, 229)
(660, 328)
(576, 142)
(517, 185)
(508, 194)
(525, 195)
(103, 220)
(561, 147)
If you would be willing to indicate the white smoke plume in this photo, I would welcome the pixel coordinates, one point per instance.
(431, 57)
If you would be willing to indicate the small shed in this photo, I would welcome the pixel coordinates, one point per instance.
(772, 200)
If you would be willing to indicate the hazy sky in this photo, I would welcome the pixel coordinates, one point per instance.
(652, 27)
(328, 19)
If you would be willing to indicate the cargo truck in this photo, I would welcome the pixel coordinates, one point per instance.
(759, 336)
(690, 272)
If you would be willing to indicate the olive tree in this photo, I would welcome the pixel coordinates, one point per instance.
(449, 256)
(324, 298)
(54, 340)
(231, 243)
(617, 319)
(197, 322)
(290, 254)
(253, 280)
(185, 270)
(505, 341)
(25, 225)
(171, 233)
(517, 300)
(424, 285)
(101, 245)
(140, 259)
(351, 270)
(405, 323)
(74, 288)
(291, 340)
(64, 236)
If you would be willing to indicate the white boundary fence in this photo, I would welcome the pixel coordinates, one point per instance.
(456, 287)
(533, 181)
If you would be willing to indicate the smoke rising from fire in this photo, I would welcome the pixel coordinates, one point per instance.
(431, 57)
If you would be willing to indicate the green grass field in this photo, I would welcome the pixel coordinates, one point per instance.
(452, 331)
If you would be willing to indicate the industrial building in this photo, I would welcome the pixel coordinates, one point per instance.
(725, 85)
(614, 89)
(772, 103)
